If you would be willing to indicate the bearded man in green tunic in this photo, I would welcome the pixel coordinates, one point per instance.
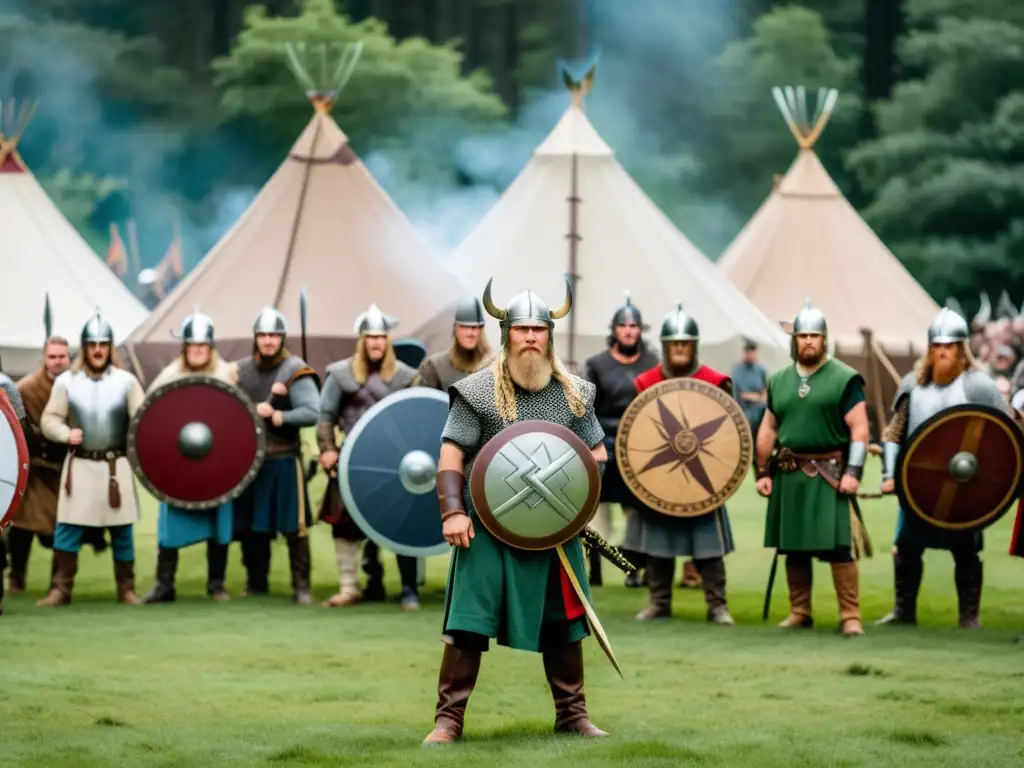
(817, 420)
(522, 599)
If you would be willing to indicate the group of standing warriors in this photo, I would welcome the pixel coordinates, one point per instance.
(76, 421)
(812, 435)
(810, 452)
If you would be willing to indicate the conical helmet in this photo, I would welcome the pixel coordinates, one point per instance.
(810, 320)
(373, 322)
(679, 326)
(948, 328)
(197, 328)
(97, 330)
(628, 313)
(270, 320)
(470, 312)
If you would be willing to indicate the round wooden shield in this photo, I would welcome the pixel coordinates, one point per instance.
(535, 485)
(13, 462)
(684, 447)
(961, 469)
(196, 442)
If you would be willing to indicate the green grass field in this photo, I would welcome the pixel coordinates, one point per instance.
(267, 683)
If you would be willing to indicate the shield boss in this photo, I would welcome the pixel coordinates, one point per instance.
(684, 447)
(535, 485)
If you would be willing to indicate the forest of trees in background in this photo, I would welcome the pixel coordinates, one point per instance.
(156, 110)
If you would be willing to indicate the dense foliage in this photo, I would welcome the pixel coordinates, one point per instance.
(158, 110)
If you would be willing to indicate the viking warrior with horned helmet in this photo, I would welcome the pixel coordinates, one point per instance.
(284, 388)
(941, 380)
(351, 388)
(659, 537)
(470, 351)
(817, 418)
(178, 528)
(89, 409)
(523, 598)
(612, 373)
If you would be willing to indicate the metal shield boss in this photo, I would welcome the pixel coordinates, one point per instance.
(684, 447)
(14, 460)
(535, 485)
(962, 469)
(387, 472)
(196, 442)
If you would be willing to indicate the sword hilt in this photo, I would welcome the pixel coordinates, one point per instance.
(596, 542)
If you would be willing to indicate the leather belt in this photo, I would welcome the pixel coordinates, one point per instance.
(828, 465)
(110, 456)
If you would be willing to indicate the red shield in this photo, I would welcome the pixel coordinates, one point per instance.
(196, 443)
(13, 463)
(962, 469)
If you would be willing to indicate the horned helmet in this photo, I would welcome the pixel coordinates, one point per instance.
(526, 309)
(373, 322)
(197, 328)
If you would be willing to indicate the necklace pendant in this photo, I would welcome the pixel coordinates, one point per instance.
(805, 389)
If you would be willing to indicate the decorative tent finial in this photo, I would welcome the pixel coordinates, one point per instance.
(14, 119)
(333, 63)
(792, 102)
(579, 88)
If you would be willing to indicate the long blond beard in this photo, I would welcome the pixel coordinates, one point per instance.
(543, 370)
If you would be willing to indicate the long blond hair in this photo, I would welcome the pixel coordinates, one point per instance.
(361, 363)
(505, 390)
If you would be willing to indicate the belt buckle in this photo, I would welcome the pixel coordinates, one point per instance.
(110, 455)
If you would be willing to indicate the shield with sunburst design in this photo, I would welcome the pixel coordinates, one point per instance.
(683, 447)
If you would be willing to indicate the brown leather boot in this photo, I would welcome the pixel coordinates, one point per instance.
(846, 581)
(712, 574)
(563, 666)
(800, 579)
(455, 683)
(299, 560)
(166, 569)
(124, 578)
(659, 578)
(65, 568)
(691, 578)
(968, 576)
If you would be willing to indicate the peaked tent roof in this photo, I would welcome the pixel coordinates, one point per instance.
(807, 240)
(624, 243)
(322, 223)
(42, 254)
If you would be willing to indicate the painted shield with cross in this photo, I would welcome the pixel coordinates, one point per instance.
(962, 469)
(535, 485)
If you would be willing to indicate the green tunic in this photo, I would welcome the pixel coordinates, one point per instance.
(804, 513)
(511, 595)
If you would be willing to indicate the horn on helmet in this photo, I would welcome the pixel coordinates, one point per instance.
(488, 302)
(563, 310)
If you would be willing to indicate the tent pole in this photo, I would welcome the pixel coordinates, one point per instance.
(574, 239)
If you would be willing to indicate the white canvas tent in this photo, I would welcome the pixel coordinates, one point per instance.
(574, 189)
(41, 253)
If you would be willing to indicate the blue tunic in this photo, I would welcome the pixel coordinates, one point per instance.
(178, 528)
(276, 502)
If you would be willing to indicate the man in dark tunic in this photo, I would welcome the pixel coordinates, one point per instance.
(523, 599)
(351, 388)
(942, 378)
(750, 380)
(612, 373)
(284, 388)
(470, 351)
(662, 538)
(817, 416)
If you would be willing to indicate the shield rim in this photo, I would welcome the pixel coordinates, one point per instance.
(478, 480)
(344, 457)
(994, 415)
(641, 401)
(21, 446)
(190, 380)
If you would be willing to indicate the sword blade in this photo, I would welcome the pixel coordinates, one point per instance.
(588, 609)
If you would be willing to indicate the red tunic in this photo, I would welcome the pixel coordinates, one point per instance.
(656, 375)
